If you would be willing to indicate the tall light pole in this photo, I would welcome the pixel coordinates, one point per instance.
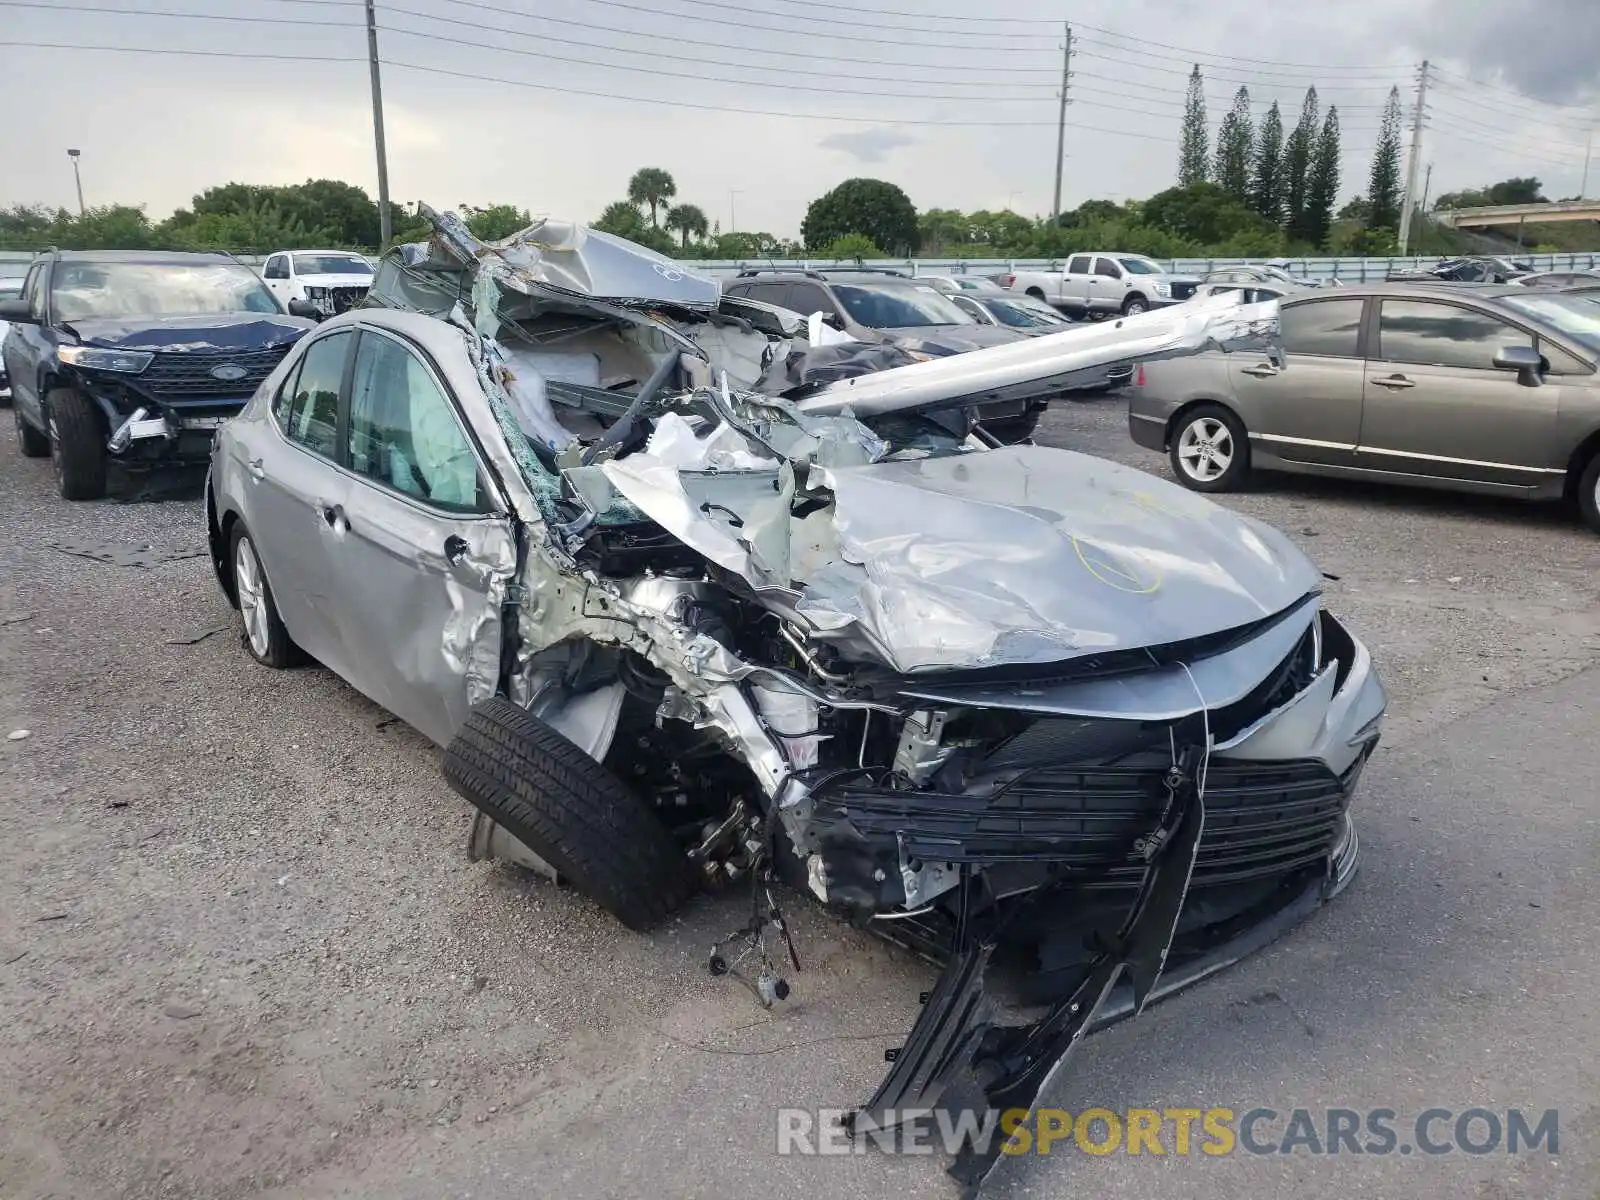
(1588, 152)
(1008, 199)
(77, 178)
(733, 219)
(384, 230)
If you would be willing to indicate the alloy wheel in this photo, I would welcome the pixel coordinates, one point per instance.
(251, 588)
(1205, 448)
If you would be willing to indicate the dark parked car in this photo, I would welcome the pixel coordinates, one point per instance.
(1477, 269)
(880, 306)
(137, 356)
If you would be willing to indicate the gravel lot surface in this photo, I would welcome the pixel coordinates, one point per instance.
(243, 952)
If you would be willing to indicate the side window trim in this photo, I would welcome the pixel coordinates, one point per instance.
(1487, 314)
(487, 482)
(1364, 324)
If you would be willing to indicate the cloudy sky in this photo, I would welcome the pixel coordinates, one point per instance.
(758, 106)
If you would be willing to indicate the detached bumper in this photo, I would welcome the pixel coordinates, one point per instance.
(167, 435)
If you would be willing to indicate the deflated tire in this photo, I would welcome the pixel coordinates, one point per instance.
(570, 811)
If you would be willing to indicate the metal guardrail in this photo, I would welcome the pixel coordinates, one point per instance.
(1350, 270)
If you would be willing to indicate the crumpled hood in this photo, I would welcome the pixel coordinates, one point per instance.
(208, 334)
(1030, 555)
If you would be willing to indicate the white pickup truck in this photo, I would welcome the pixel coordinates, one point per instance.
(1104, 283)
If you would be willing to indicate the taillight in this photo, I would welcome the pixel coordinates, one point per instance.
(1007, 280)
(1138, 376)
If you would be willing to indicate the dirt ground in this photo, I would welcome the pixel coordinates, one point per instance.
(243, 952)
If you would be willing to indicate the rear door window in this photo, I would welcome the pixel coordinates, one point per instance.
(1080, 264)
(807, 298)
(313, 416)
(277, 267)
(1442, 335)
(1326, 328)
(1107, 268)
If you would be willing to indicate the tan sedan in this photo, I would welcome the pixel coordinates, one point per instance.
(1476, 388)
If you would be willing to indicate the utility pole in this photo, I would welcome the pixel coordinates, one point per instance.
(1427, 184)
(1409, 207)
(1061, 124)
(733, 219)
(384, 230)
(77, 178)
(1588, 152)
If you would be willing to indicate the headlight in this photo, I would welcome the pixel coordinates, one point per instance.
(316, 293)
(130, 362)
(1163, 289)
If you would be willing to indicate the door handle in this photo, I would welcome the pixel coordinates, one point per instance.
(257, 469)
(455, 548)
(1264, 371)
(1396, 382)
(333, 514)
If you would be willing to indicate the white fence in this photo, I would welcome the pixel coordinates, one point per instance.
(1350, 270)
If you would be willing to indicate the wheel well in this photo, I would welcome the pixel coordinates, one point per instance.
(1587, 449)
(1037, 293)
(1135, 296)
(1189, 406)
(220, 534)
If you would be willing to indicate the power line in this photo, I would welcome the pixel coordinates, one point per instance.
(1499, 108)
(187, 16)
(1374, 74)
(1494, 87)
(344, 58)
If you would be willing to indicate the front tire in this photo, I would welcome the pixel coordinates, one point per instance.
(77, 443)
(1589, 493)
(1134, 305)
(30, 441)
(1209, 450)
(265, 637)
(570, 811)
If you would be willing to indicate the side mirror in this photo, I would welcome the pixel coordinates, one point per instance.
(17, 312)
(301, 307)
(1524, 360)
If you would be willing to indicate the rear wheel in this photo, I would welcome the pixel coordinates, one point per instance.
(1210, 450)
(30, 441)
(570, 811)
(77, 443)
(1589, 493)
(265, 637)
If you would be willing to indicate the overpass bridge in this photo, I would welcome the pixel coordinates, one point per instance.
(1517, 214)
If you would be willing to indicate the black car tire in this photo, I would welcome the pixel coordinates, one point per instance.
(77, 443)
(279, 649)
(1589, 493)
(30, 441)
(1011, 430)
(1134, 305)
(1208, 421)
(570, 811)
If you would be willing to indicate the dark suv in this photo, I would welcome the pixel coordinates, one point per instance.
(137, 355)
(885, 307)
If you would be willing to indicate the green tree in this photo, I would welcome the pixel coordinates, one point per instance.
(1508, 191)
(1322, 182)
(622, 218)
(653, 187)
(1266, 168)
(1297, 167)
(689, 220)
(1383, 187)
(1233, 148)
(1356, 208)
(1204, 213)
(497, 221)
(1004, 230)
(105, 227)
(852, 246)
(1193, 155)
(258, 229)
(944, 229)
(880, 211)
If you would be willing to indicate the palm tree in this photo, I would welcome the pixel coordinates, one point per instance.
(652, 186)
(689, 221)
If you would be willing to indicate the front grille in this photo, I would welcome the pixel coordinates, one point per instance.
(1182, 291)
(178, 375)
(1262, 819)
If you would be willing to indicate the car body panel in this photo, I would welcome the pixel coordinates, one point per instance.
(1440, 424)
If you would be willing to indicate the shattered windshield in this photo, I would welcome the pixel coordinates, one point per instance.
(898, 305)
(330, 264)
(1020, 314)
(82, 290)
